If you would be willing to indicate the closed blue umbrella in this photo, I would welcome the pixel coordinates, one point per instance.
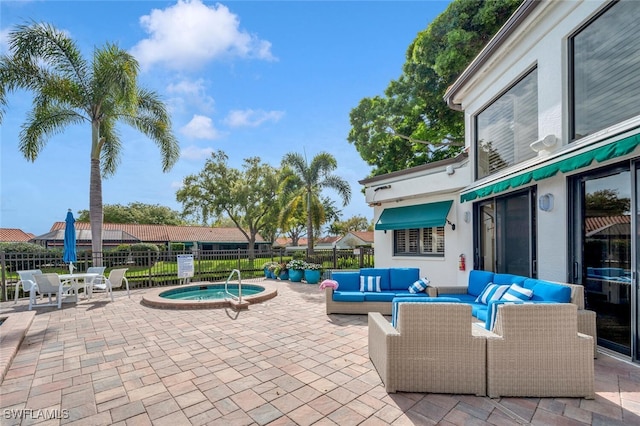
(70, 255)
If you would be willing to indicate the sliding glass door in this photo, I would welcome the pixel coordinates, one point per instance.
(505, 237)
(602, 251)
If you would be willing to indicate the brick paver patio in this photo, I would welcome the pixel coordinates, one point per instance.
(282, 362)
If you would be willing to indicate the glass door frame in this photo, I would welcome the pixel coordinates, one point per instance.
(575, 275)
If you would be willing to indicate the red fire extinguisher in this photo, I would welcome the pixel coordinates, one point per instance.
(462, 265)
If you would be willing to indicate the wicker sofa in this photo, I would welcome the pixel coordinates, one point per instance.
(454, 355)
(349, 299)
(543, 291)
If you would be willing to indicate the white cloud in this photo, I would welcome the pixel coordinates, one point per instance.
(251, 118)
(190, 33)
(190, 92)
(200, 127)
(195, 153)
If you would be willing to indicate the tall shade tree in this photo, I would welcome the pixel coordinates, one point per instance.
(69, 90)
(304, 182)
(411, 124)
(244, 196)
(136, 212)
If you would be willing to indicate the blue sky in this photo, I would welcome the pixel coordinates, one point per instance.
(246, 77)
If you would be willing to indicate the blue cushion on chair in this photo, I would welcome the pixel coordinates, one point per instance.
(401, 278)
(550, 292)
(478, 280)
(348, 296)
(508, 279)
(347, 281)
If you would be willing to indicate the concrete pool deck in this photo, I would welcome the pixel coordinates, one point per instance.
(281, 362)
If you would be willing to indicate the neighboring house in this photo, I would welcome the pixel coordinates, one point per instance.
(552, 119)
(322, 243)
(194, 237)
(14, 235)
(354, 239)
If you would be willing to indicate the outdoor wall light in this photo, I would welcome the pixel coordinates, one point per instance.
(467, 217)
(453, 225)
(545, 202)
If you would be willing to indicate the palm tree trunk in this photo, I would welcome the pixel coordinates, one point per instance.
(95, 198)
(309, 233)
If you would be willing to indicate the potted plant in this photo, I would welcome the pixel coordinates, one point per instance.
(296, 269)
(312, 273)
(282, 272)
(269, 269)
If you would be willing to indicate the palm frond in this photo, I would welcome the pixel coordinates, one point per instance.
(111, 147)
(43, 42)
(43, 121)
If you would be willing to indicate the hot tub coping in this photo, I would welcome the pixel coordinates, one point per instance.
(152, 298)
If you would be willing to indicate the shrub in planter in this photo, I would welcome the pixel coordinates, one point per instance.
(296, 269)
(312, 273)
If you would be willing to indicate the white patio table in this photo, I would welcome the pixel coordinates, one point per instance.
(86, 278)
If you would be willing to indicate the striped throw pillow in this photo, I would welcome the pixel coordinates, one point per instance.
(419, 285)
(517, 293)
(370, 283)
(492, 292)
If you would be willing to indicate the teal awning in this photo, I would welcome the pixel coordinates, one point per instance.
(564, 164)
(419, 216)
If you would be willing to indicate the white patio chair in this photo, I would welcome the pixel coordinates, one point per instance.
(26, 281)
(115, 280)
(49, 284)
(93, 270)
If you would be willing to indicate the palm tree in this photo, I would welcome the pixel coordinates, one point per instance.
(303, 183)
(69, 90)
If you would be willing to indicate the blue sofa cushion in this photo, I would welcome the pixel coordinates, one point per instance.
(385, 296)
(549, 292)
(492, 292)
(369, 283)
(480, 312)
(516, 293)
(383, 273)
(348, 296)
(397, 300)
(402, 278)
(347, 281)
(478, 280)
(466, 298)
(508, 279)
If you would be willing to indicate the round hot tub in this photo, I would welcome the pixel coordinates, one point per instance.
(206, 295)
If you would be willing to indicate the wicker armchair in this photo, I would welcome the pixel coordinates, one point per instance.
(434, 349)
(536, 351)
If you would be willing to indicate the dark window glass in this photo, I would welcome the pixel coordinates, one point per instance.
(606, 70)
(507, 127)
